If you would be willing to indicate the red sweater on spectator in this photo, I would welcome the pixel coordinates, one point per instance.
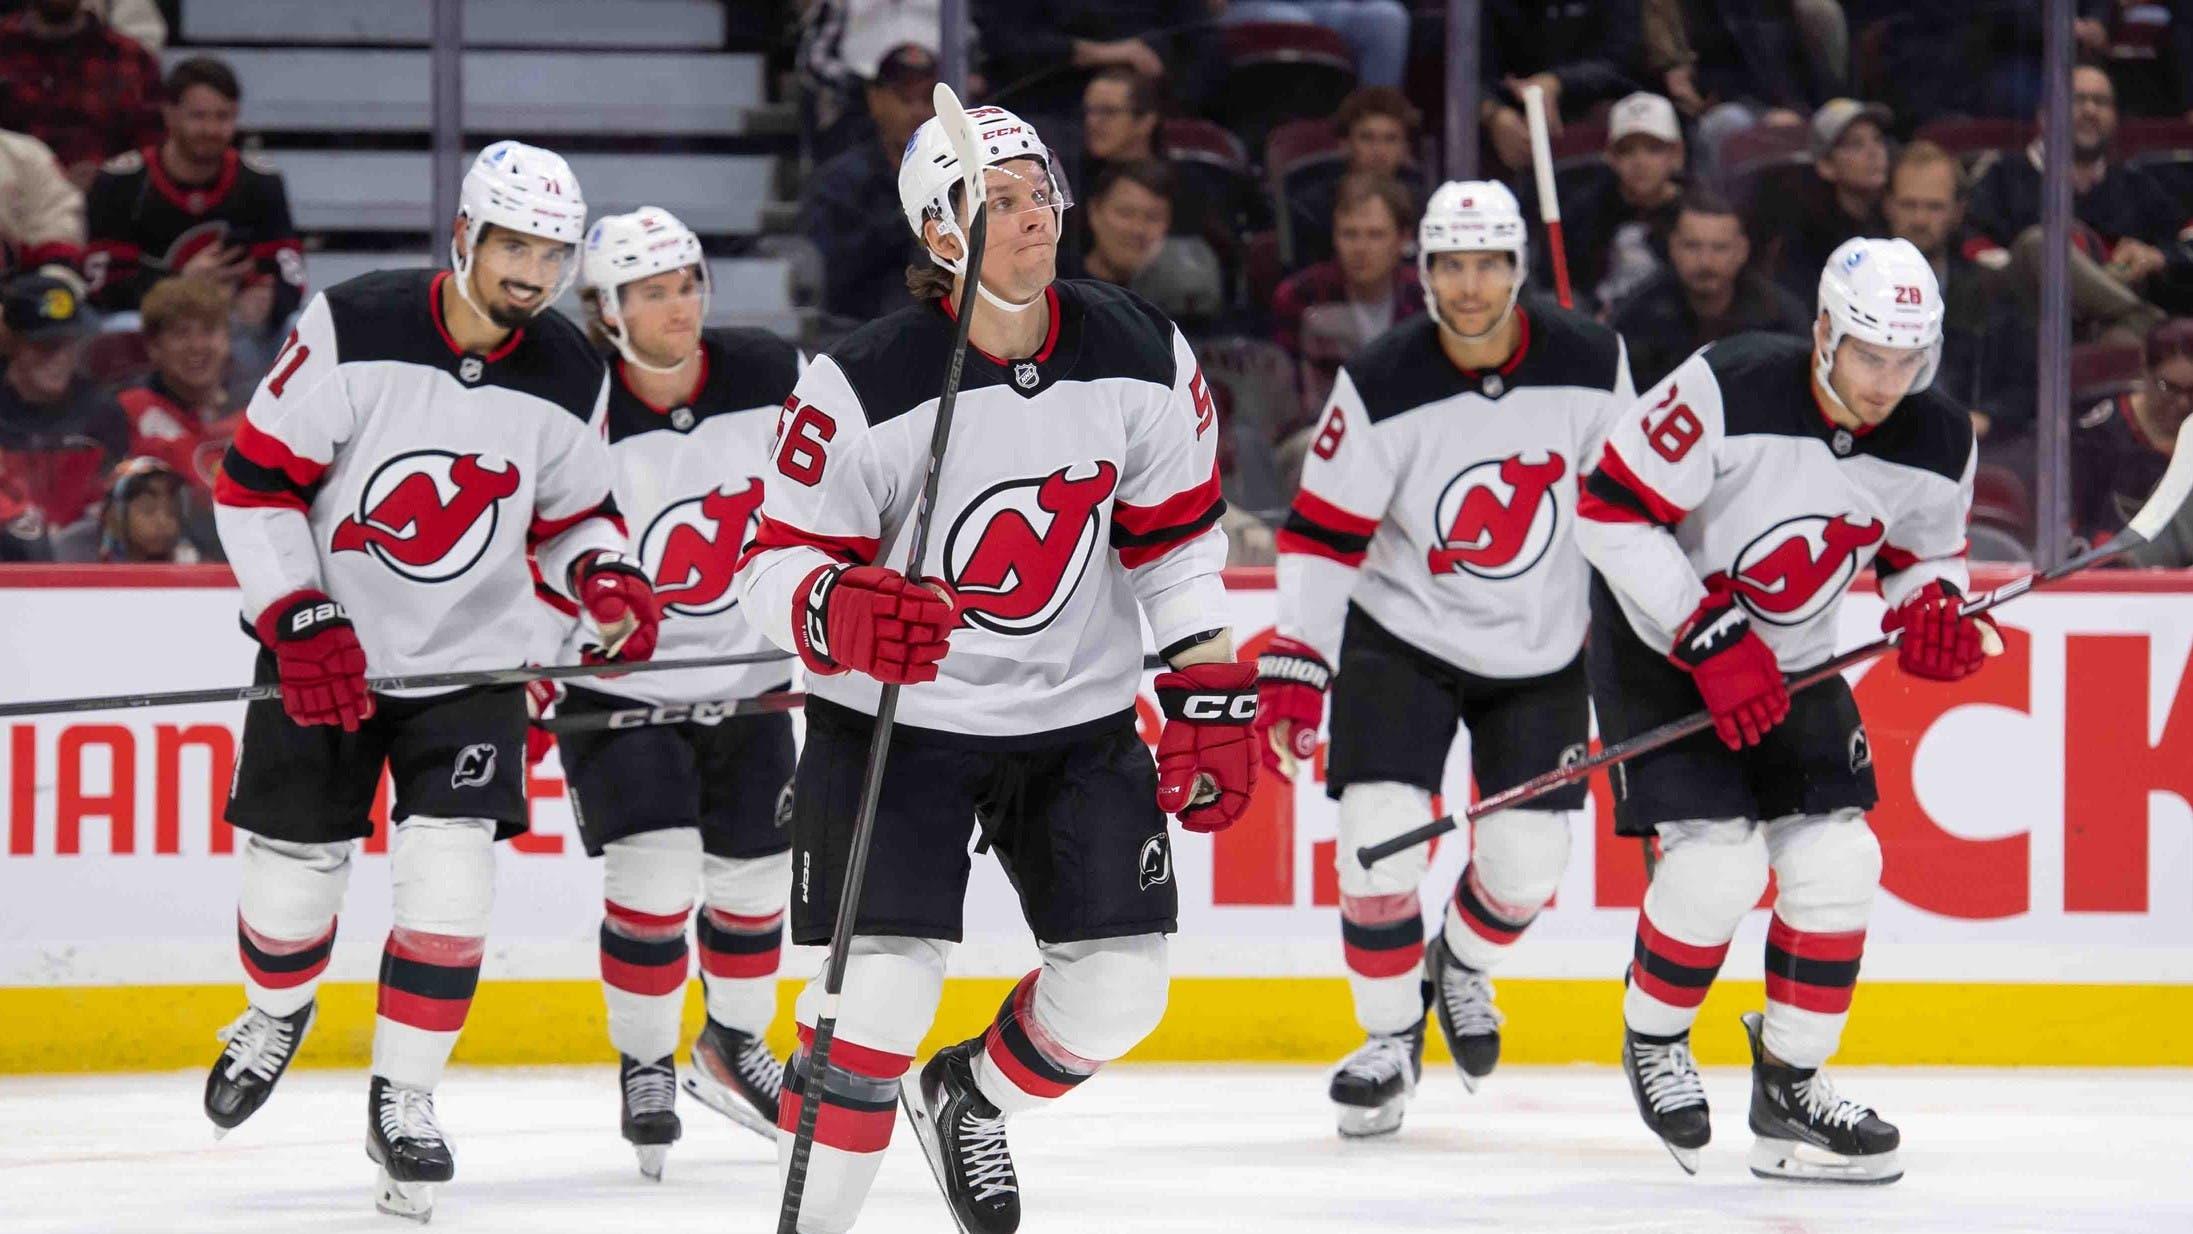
(1311, 322)
(60, 453)
(89, 96)
(162, 428)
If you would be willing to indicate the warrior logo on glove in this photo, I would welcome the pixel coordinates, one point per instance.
(1017, 552)
(1799, 566)
(429, 515)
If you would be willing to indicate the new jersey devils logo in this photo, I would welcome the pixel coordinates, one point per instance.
(429, 515)
(1799, 566)
(1016, 553)
(692, 549)
(1498, 517)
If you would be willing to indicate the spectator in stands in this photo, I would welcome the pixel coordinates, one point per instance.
(2129, 223)
(1037, 56)
(1987, 347)
(2148, 48)
(41, 212)
(1580, 54)
(1119, 118)
(1707, 293)
(22, 524)
(58, 436)
(852, 202)
(1129, 213)
(1837, 198)
(142, 518)
(1377, 31)
(194, 206)
(1616, 214)
(1378, 131)
(86, 90)
(2120, 447)
(184, 413)
(1731, 64)
(1323, 314)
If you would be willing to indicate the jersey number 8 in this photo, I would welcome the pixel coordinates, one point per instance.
(799, 453)
(1676, 433)
(1328, 437)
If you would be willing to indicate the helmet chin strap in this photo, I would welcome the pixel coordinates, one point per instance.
(958, 269)
(1431, 302)
(623, 344)
(461, 263)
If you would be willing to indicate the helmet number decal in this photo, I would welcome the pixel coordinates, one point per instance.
(1909, 295)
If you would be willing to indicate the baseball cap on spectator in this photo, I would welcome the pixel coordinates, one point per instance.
(1643, 114)
(907, 67)
(41, 306)
(1835, 117)
(882, 31)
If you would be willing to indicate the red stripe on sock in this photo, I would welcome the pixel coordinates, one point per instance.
(1498, 933)
(1390, 962)
(1844, 946)
(1672, 995)
(643, 978)
(849, 1131)
(1017, 1073)
(280, 981)
(738, 923)
(283, 946)
(860, 1059)
(447, 950)
(756, 964)
(435, 1015)
(1689, 955)
(646, 925)
(1829, 1000)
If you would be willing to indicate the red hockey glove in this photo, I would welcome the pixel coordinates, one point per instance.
(540, 695)
(1939, 642)
(872, 620)
(1291, 680)
(1206, 757)
(316, 652)
(620, 601)
(1734, 669)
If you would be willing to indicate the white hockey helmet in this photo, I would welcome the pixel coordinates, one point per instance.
(526, 189)
(930, 168)
(1472, 216)
(625, 248)
(1884, 292)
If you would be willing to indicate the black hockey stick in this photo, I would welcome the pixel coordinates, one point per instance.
(2162, 505)
(815, 1085)
(419, 681)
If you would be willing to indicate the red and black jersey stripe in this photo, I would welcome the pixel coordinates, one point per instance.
(776, 534)
(1142, 534)
(259, 470)
(1319, 528)
(1615, 494)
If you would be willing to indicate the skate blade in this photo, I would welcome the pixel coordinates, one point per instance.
(1795, 1161)
(932, 1149)
(1361, 1122)
(410, 1201)
(1685, 1157)
(221, 1133)
(727, 1102)
(1469, 1082)
(652, 1159)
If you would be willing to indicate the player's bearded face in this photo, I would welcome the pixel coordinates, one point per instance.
(1472, 289)
(514, 274)
(662, 316)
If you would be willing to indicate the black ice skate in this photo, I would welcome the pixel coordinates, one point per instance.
(1371, 1087)
(650, 1122)
(259, 1047)
(735, 1075)
(964, 1138)
(1807, 1131)
(1670, 1096)
(405, 1141)
(1462, 998)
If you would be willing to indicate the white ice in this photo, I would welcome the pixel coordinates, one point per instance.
(1538, 1151)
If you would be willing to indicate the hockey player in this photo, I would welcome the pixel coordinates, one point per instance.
(1081, 483)
(672, 809)
(1733, 507)
(419, 434)
(1428, 557)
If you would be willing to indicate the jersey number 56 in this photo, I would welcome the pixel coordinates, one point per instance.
(801, 431)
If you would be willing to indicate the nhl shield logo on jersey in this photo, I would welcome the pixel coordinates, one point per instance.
(1498, 517)
(692, 549)
(470, 369)
(1026, 375)
(428, 515)
(1799, 566)
(1016, 553)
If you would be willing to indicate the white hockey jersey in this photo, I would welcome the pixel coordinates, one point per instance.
(1078, 482)
(690, 480)
(1441, 501)
(408, 479)
(1728, 475)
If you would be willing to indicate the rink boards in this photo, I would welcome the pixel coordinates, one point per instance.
(2035, 823)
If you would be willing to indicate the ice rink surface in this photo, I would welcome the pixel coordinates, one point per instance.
(1247, 1149)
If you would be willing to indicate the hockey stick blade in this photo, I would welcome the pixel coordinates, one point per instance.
(961, 133)
(2162, 505)
(382, 685)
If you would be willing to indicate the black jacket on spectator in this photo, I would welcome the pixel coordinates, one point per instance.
(1028, 49)
(1594, 216)
(2126, 201)
(1987, 346)
(1662, 331)
(1750, 51)
(852, 213)
(58, 454)
(1809, 224)
(2113, 469)
(1597, 49)
(144, 227)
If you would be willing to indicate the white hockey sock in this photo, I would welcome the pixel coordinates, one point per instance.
(1827, 868)
(1710, 874)
(444, 875)
(647, 896)
(1382, 939)
(1516, 861)
(285, 919)
(742, 938)
(1090, 1003)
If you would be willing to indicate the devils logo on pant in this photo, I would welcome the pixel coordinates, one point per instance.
(1799, 566)
(429, 515)
(692, 549)
(1499, 517)
(1016, 553)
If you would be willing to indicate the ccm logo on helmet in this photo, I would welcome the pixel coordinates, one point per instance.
(1239, 708)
